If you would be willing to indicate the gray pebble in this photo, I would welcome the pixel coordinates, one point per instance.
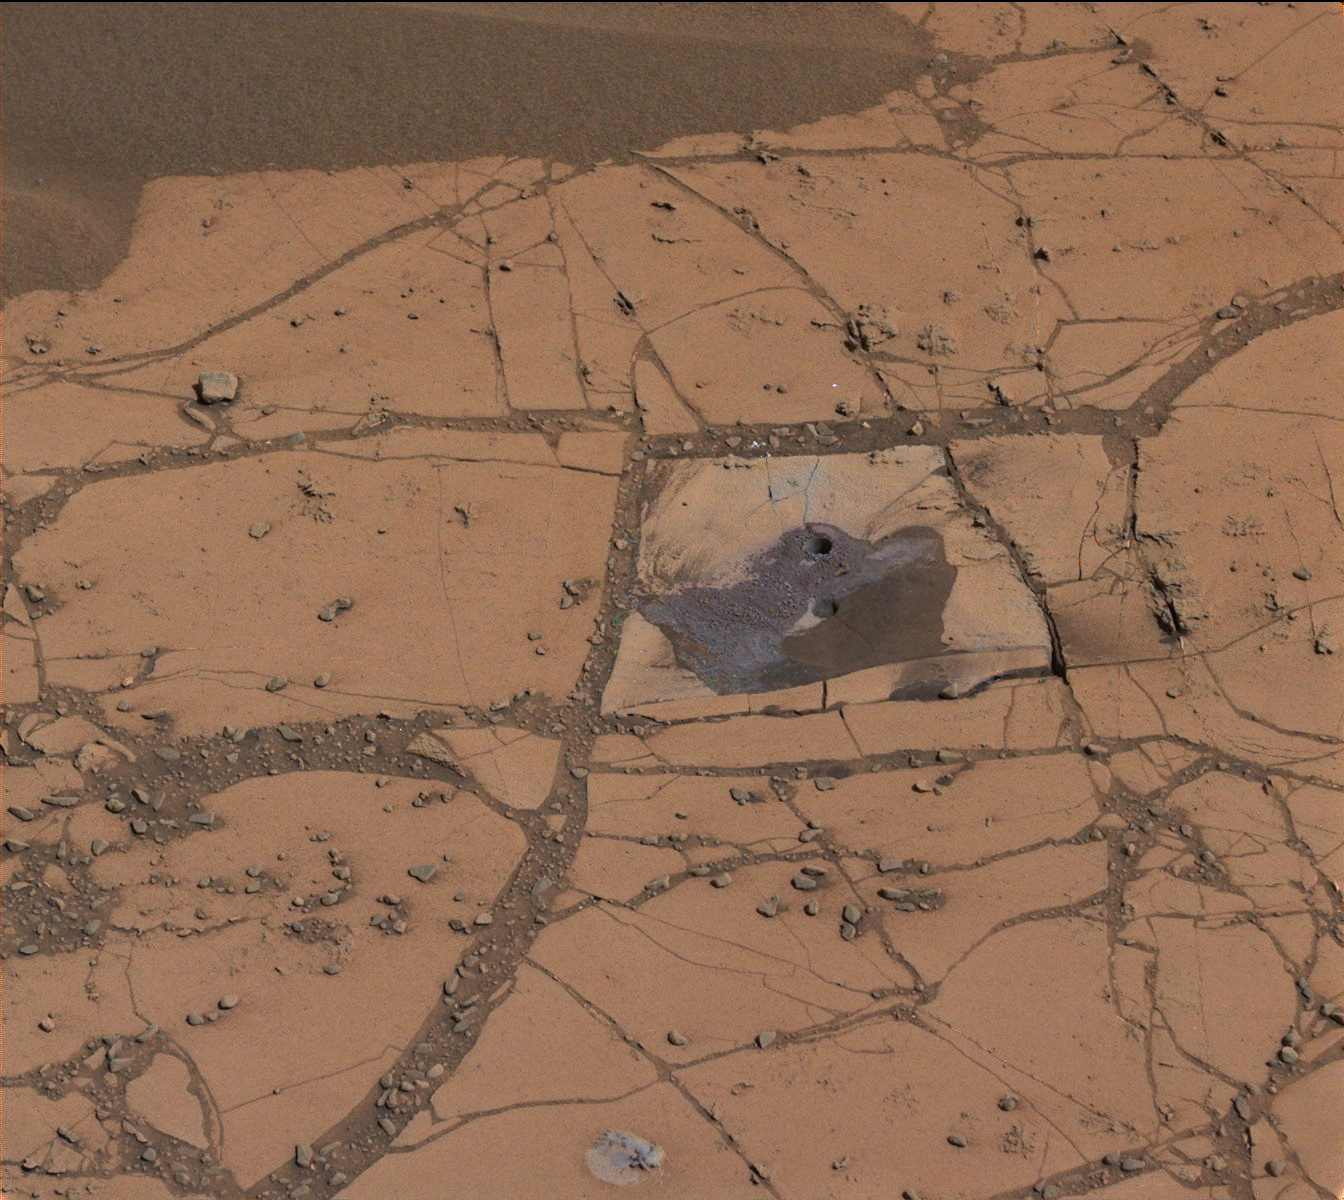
(424, 873)
(277, 683)
(765, 1039)
(955, 1139)
(803, 883)
(676, 1039)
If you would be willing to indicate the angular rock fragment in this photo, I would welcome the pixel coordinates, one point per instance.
(217, 387)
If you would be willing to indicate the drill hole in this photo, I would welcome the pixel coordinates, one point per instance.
(824, 608)
(818, 545)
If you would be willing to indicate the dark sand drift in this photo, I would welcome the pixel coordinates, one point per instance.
(100, 98)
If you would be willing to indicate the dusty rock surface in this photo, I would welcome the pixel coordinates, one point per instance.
(802, 663)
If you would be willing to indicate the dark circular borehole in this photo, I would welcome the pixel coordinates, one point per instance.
(820, 544)
(824, 608)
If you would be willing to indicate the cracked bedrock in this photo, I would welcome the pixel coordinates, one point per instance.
(801, 663)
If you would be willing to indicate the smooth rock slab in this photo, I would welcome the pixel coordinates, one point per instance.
(623, 1158)
(767, 574)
